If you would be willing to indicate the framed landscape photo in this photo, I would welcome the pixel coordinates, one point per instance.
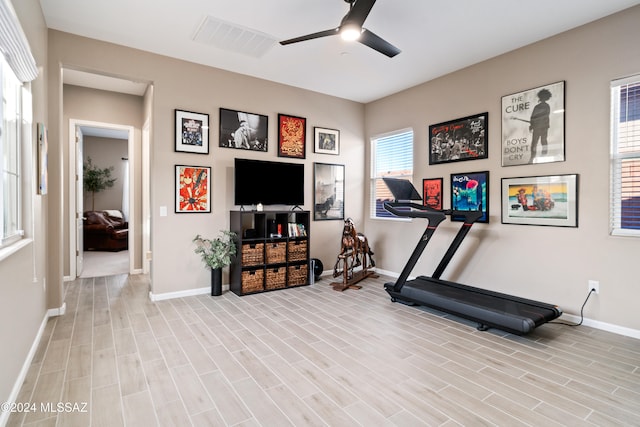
(432, 192)
(244, 131)
(193, 189)
(292, 136)
(533, 126)
(460, 139)
(192, 132)
(541, 200)
(470, 192)
(328, 193)
(326, 141)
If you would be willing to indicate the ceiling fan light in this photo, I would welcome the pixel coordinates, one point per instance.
(350, 32)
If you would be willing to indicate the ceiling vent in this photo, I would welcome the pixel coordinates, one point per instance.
(234, 38)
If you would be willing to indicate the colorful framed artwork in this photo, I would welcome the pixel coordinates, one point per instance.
(192, 132)
(292, 136)
(244, 131)
(533, 126)
(432, 192)
(43, 153)
(328, 194)
(541, 200)
(193, 189)
(470, 192)
(459, 140)
(326, 141)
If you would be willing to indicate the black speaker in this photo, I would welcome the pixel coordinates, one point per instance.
(250, 233)
(318, 268)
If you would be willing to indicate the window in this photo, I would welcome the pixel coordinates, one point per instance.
(391, 156)
(10, 186)
(625, 157)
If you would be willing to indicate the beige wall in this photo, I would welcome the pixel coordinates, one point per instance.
(546, 263)
(99, 106)
(106, 153)
(22, 274)
(187, 86)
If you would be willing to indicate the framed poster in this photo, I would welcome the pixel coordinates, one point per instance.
(470, 192)
(432, 192)
(292, 136)
(244, 131)
(533, 126)
(193, 189)
(43, 153)
(541, 200)
(192, 132)
(328, 194)
(326, 141)
(460, 139)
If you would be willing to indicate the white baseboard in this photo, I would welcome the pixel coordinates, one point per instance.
(616, 329)
(60, 311)
(181, 294)
(4, 415)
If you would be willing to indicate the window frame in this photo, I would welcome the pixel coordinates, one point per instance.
(617, 158)
(374, 179)
(12, 235)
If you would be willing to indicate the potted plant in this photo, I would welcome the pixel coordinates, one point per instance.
(216, 253)
(96, 179)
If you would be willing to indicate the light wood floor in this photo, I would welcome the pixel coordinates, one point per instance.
(312, 356)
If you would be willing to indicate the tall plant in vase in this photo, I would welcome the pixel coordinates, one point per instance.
(96, 179)
(217, 253)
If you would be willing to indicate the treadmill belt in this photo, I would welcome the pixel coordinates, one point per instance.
(518, 315)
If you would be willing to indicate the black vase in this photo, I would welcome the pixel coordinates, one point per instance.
(216, 282)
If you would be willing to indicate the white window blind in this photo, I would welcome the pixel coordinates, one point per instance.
(10, 155)
(391, 156)
(625, 157)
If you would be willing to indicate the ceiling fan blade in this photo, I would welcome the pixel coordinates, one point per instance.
(368, 38)
(317, 35)
(359, 12)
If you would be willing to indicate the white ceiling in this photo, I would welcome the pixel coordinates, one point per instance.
(436, 36)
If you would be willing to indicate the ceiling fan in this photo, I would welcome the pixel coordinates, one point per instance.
(351, 29)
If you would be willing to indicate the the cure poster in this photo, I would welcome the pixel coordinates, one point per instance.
(533, 126)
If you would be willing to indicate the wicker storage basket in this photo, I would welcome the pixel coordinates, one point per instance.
(298, 275)
(297, 250)
(276, 278)
(276, 252)
(252, 281)
(252, 254)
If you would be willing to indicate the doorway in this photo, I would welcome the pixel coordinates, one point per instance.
(95, 139)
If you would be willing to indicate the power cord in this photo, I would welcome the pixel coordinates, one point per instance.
(581, 312)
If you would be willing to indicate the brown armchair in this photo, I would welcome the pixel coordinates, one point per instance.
(105, 231)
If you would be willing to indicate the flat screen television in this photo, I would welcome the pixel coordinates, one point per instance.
(269, 183)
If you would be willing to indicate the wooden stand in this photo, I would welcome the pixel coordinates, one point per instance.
(349, 276)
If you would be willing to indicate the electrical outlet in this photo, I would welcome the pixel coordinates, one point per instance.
(594, 284)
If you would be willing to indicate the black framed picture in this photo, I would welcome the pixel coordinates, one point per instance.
(192, 132)
(533, 126)
(328, 194)
(292, 136)
(326, 141)
(470, 192)
(432, 192)
(460, 139)
(193, 189)
(243, 131)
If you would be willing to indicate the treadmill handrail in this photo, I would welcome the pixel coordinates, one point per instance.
(417, 211)
(422, 211)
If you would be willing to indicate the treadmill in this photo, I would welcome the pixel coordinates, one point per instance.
(488, 308)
